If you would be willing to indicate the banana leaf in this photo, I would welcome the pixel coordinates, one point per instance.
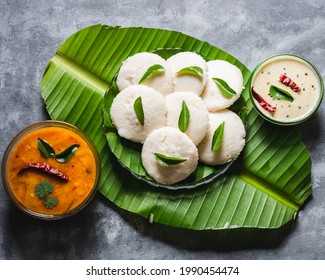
(266, 186)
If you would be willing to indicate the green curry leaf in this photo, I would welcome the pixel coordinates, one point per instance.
(138, 109)
(153, 70)
(224, 88)
(280, 93)
(167, 161)
(67, 153)
(192, 70)
(45, 148)
(184, 117)
(217, 137)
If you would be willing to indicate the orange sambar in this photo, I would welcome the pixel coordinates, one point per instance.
(81, 170)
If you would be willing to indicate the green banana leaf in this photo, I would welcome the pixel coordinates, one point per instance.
(264, 188)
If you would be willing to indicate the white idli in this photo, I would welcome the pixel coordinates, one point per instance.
(187, 82)
(199, 120)
(211, 94)
(134, 67)
(172, 143)
(233, 140)
(124, 117)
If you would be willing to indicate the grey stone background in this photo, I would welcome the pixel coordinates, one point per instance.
(30, 33)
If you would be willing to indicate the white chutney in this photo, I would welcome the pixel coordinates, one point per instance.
(306, 96)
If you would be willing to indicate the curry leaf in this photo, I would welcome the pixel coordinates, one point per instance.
(224, 88)
(192, 70)
(167, 161)
(138, 109)
(217, 137)
(280, 93)
(184, 117)
(153, 70)
(45, 148)
(67, 153)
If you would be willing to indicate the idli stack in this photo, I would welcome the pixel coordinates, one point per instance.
(177, 109)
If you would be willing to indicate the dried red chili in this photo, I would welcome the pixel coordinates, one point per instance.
(266, 106)
(289, 83)
(45, 168)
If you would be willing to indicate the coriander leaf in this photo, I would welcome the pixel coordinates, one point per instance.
(224, 88)
(43, 189)
(50, 202)
(138, 109)
(45, 148)
(280, 93)
(184, 118)
(153, 70)
(167, 161)
(192, 70)
(217, 137)
(67, 153)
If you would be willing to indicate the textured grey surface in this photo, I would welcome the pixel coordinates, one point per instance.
(30, 33)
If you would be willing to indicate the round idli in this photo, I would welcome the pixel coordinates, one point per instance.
(170, 142)
(233, 140)
(199, 119)
(124, 117)
(186, 82)
(134, 67)
(211, 94)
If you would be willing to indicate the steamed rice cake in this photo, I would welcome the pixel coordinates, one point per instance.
(134, 67)
(125, 119)
(172, 143)
(211, 94)
(187, 82)
(199, 120)
(233, 140)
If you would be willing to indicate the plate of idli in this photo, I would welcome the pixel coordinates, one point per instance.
(175, 119)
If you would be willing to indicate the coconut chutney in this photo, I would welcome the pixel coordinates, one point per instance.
(294, 75)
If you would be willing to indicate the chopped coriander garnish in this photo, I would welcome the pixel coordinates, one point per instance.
(43, 189)
(50, 202)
